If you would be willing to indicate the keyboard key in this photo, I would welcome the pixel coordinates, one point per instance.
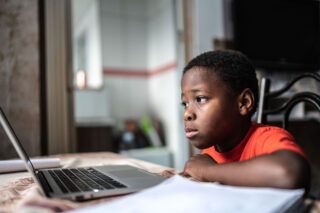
(83, 187)
(97, 179)
(58, 181)
(86, 179)
(67, 182)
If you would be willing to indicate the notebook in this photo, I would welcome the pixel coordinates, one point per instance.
(179, 194)
(83, 183)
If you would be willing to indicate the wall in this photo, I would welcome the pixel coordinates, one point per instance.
(139, 60)
(164, 93)
(124, 57)
(209, 24)
(19, 71)
(86, 30)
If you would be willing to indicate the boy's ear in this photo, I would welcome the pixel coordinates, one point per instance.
(246, 101)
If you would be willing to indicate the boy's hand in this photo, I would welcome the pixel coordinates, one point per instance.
(197, 166)
(169, 173)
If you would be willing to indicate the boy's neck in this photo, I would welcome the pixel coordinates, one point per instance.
(236, 140)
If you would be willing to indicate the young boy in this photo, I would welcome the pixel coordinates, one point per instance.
(219, 94)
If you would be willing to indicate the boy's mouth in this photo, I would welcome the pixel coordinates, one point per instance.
(190, 133)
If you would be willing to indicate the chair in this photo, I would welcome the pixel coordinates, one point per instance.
(306, 131)
(266, 97)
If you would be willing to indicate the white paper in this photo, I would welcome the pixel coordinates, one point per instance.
(18, 165)
(179, 194)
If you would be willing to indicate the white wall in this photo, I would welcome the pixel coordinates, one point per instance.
(124, 39)
(209, 20)
(92, 105)
(140, 36)
(86, 26)
(128, 97)
(164, 93)
(161, 33)
(124, 33)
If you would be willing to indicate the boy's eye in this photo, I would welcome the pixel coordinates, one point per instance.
(184, 104)
(201, 99)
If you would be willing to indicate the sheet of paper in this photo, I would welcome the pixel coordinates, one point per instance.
(18, 165)
(179, 194)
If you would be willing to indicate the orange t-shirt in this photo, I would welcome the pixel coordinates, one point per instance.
(260, 139)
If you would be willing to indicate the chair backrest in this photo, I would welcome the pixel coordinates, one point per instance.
(266, 97)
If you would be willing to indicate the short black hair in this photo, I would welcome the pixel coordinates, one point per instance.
(231, 67)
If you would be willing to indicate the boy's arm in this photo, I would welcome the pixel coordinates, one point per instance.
(281, 169)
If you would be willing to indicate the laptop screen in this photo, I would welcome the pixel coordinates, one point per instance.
(15, 141)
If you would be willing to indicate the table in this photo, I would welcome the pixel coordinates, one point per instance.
(19, 193)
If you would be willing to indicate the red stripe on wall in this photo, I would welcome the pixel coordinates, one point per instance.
(139, 73)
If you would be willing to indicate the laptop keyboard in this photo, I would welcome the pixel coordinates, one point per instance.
(82, 180)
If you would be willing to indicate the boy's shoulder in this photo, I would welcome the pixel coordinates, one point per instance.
(266, 139)
(262, 130)
(261, 133)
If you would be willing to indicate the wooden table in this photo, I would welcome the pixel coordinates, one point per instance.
(18, 192)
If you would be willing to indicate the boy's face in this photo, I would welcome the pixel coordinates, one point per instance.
(211, 115)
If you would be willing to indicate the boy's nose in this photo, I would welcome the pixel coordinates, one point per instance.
(188, 115)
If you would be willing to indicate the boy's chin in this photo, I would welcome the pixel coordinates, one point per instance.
(198, 144)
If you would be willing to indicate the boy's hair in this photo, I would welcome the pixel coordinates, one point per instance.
(231, 67)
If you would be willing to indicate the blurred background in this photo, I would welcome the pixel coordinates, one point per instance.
(104, 75)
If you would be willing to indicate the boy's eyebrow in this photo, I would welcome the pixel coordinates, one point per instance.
(193, 91)
(196, 90)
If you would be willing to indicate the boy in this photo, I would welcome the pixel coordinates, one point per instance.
(219, 94)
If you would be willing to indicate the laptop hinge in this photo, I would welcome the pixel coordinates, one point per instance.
(44, 183)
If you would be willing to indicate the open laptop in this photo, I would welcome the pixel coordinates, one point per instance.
(83, 183)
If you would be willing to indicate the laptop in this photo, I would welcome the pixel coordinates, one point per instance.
(83, 183)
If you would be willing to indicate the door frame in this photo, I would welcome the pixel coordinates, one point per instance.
(58, 75)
